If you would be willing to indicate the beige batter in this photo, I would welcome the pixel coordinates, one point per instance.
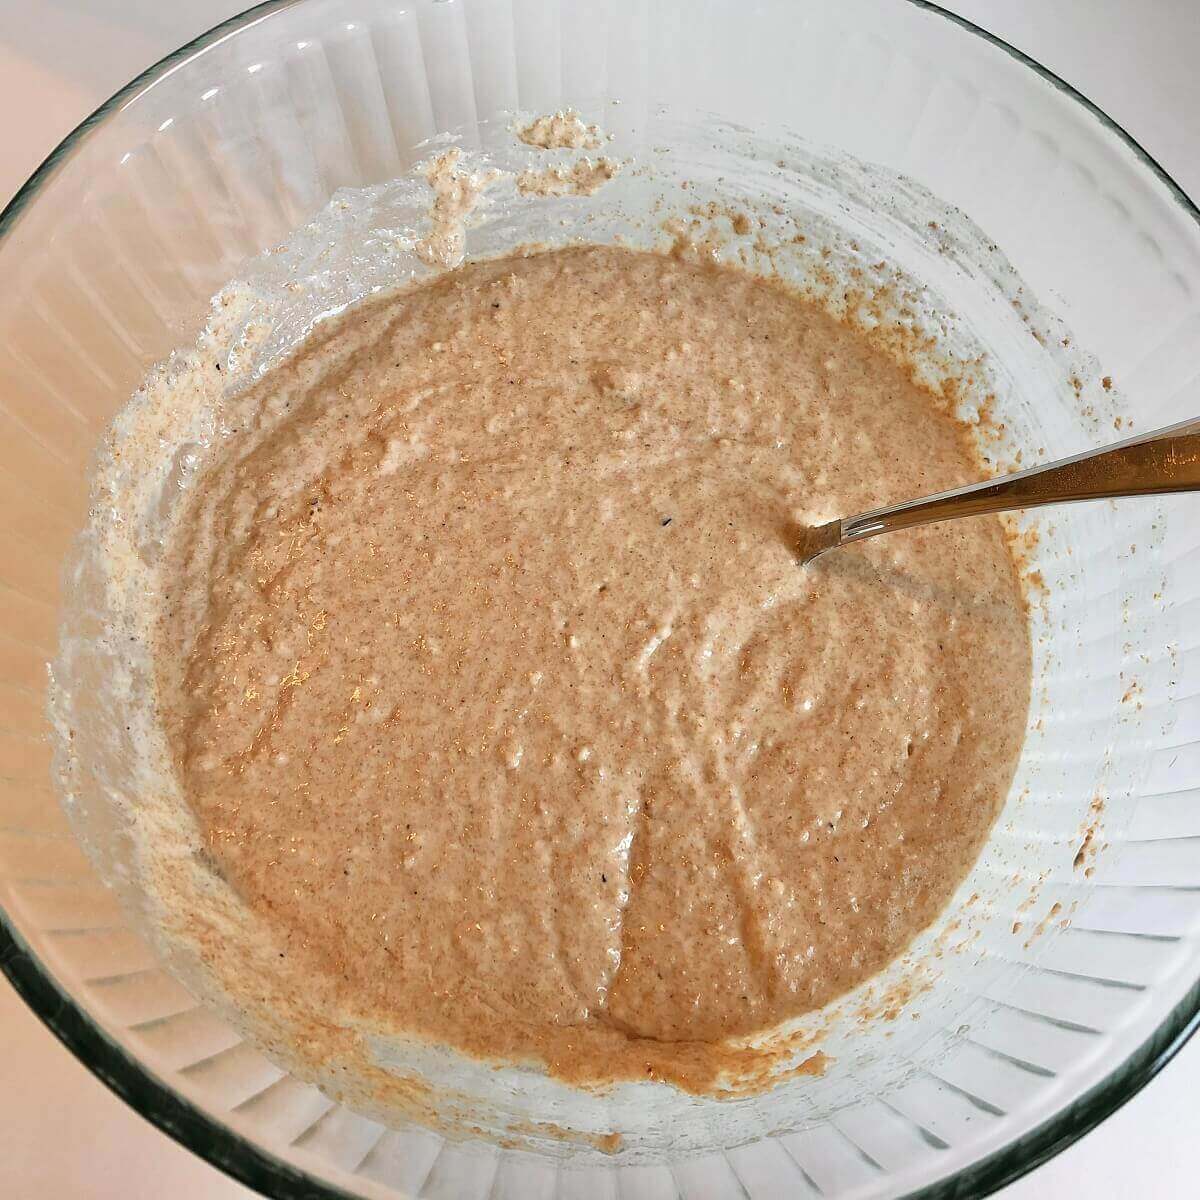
(562, 130)
(498, 693)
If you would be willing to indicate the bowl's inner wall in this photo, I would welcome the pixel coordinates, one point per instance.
(875, 247)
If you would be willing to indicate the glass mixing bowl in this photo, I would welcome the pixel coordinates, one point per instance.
(1072, 955)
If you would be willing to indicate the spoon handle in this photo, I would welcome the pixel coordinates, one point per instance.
(1165, 460)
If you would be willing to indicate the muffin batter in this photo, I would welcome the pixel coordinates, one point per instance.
(497, 691)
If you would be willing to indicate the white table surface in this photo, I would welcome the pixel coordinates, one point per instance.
(63, 1135)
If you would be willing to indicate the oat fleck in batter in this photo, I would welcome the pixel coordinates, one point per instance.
(497, 691)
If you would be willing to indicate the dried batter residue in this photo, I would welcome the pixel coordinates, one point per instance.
(563, 130)
(606, 1143)
(1086, 854)
(457, 194)
(1051, 917)
(582, 178)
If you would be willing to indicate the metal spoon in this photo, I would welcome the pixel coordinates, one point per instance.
(1167, 460)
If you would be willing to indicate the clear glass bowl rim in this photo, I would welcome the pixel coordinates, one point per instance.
(147, 1095)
